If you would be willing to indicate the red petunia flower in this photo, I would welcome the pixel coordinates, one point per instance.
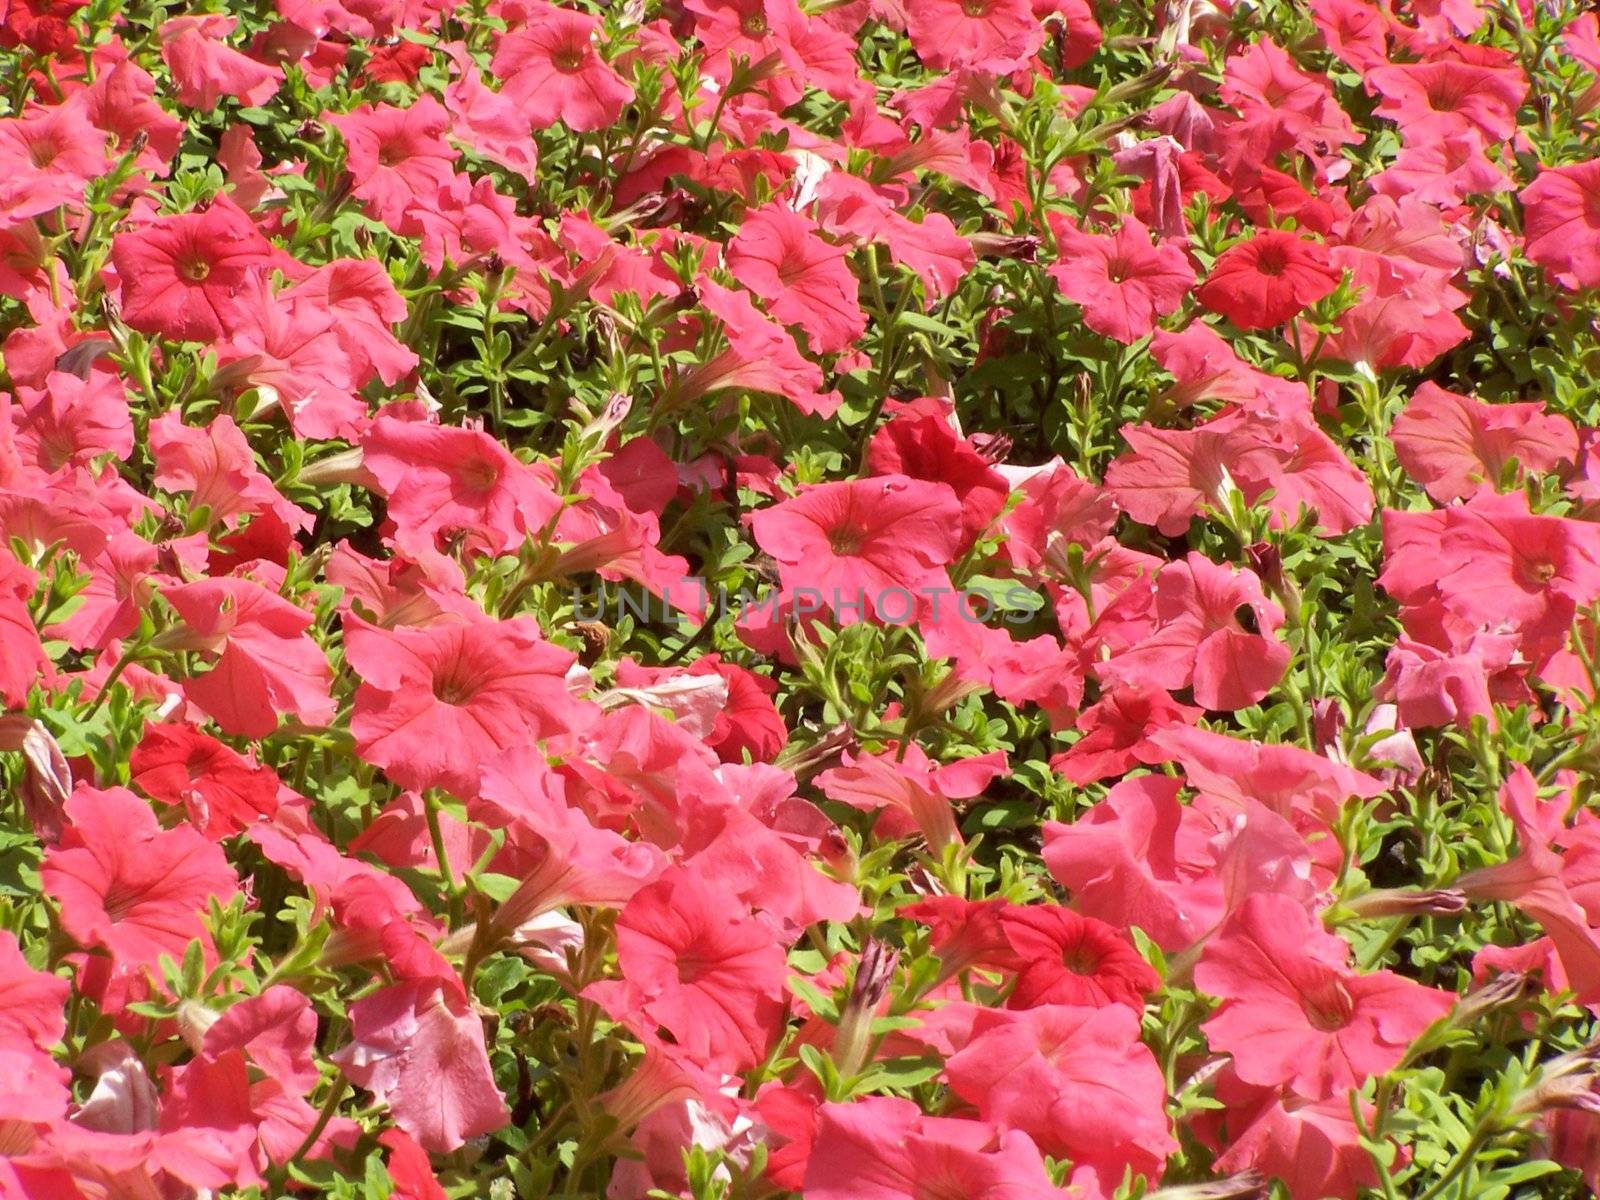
(884, 1148)
(1065, 958)
(1075, 1079)
(292, 356)
(181, 275)
(23, 660)
(217, 467)
(1453, 445)
(1201, 641)
(267, 665)
(219, 789)
(1122, 282)
(921, 441)
(916, 793)
(441, 478)
(761, 357)
(396, 155)
(1561, 226)
(1443, 171)
(206, 70)
(47, 158)
(1116, 732)
(363, 306)
(73, 420)
(1314, 1147)
(32, 1003)
(44, 26)
(1140, 858)
(1551, 879)
(1493, 563)
(997, 36)
(1268, 279)
(1447, 95)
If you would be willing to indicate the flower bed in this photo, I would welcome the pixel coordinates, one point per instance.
(862, 599)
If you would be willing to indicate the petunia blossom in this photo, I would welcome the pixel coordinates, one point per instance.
(1295, 1013)
(418, 1047)
(181, 275)
(127, 887)
(805, 280)
(205, 69)
(1076, 1079)
(436, 703)
(884, 1148)
(694, 963)
(1066, 958)
(870, 546)
(1561, 223)
(1268, 279)
(267, 665)
(1215, 632)
(1122, 282)
(553, 72)
(1453, 445)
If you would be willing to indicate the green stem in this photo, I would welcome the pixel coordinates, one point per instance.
(1461, 1162)
(430, 806)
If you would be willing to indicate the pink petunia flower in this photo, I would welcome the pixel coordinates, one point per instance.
(804, 279)
(868, 545)
(1122, 282)
(1294, 1011)
(181, 275)
(125, 886)
(697, 965)
(553, 72)
(436, 703)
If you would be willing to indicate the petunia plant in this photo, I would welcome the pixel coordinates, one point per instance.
(842, 599)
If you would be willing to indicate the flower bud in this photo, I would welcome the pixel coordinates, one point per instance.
(1566, 1081)
(1407, 902)
(1247, 1185)
(194, 1019)
(1505, 988)
(874, 974)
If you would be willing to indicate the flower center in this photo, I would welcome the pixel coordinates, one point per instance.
(1271, 260)
(975, 8)
(692, 966)
(451, 690)
(390, 155)
(42, 154)
(120, 900)
(1080, 960)
(480, 476)
(569, 61)
(754, 24)
(1442, 97)
(1118, 270)
(195, 270)
(1330, 1008)
(845, 540)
